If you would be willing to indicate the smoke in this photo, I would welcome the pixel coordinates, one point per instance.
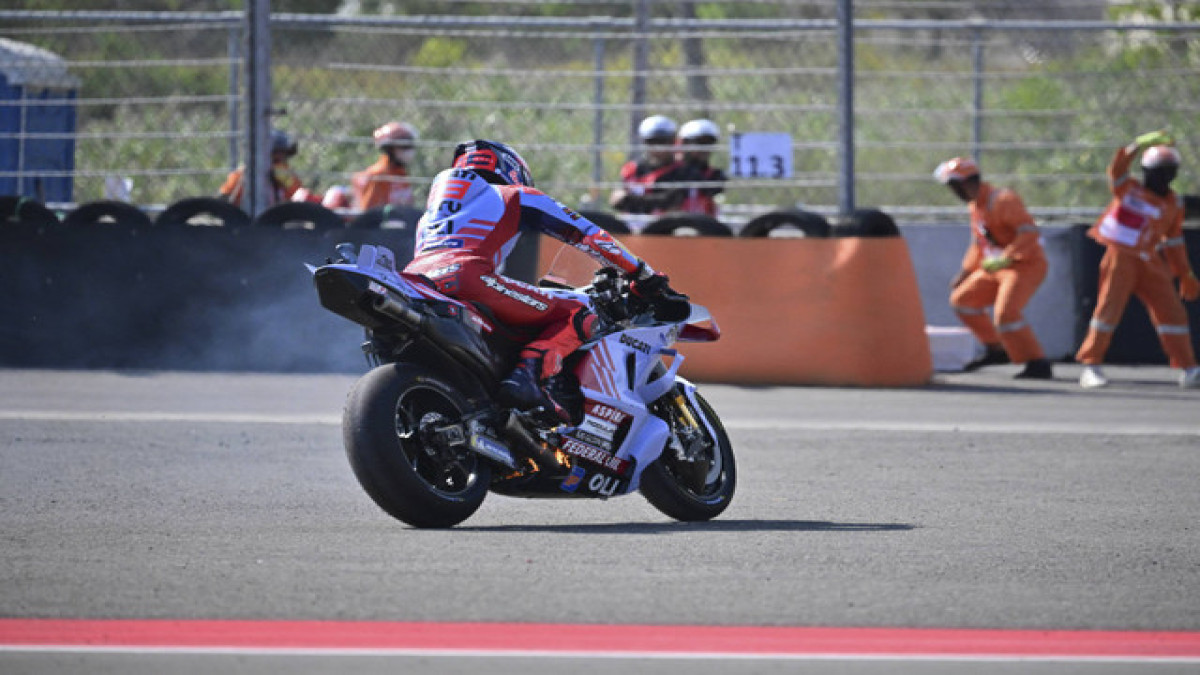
(198, 298)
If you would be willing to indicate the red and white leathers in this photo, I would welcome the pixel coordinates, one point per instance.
(1001, 228)
(1133, 229)
(382, 184)
(647, 188)
(469, 228)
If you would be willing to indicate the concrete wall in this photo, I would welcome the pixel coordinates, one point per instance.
(937, 252)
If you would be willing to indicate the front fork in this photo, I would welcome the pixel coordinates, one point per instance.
(690, 439)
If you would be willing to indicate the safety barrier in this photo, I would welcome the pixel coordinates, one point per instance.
(810, 311)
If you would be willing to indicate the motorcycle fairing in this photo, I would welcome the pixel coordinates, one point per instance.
(356, 288)
(618, 374)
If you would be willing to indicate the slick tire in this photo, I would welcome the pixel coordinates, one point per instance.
(688, 224)
(202, 211)
(793, 223)
(108, 211)
(299, 216)
(665, 488)
(381, 432)
(27, 212)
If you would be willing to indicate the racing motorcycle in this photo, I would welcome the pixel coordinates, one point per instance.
(427, 440)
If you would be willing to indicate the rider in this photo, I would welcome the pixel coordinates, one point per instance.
(475, 212)
(644, 190)
(696, 141)
(385, 182)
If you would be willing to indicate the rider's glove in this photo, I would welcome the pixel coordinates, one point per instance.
(995, 264)
(1160, 137)
(651, 287)
(1189, 287)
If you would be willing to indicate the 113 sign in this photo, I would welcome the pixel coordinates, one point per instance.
(760, 155)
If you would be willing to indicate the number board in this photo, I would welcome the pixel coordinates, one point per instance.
(761, 155)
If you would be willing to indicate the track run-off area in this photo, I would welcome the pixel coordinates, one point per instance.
(157, 522)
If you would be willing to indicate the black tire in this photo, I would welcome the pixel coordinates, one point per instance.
(379, 429)
(202, 211)
(868, 223)
(387, 217)
(299, 216)
(664, 486)
(607, 222)
(108, 211)
(686, 224)
(27, 212)
(795, 223)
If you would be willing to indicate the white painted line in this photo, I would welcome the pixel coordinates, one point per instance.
(738, 424)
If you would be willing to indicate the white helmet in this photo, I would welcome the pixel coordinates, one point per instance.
(1160, 156)
(699, 131)
(657, 128)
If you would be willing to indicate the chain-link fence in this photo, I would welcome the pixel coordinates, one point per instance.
(155, 100)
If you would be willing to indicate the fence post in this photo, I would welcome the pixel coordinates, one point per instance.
(977, 94)
(845, 15)
(235, 89)
(598, 114)
(641, 62)
(258, 121)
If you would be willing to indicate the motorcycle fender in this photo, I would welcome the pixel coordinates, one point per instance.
(644, 445)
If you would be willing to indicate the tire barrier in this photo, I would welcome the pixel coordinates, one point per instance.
(789, 223)
(23, 211)
(299, 216)
(867, 223)
(688, 224)
(607, 222)
(387, 217)
(108, 212)
(202, 211)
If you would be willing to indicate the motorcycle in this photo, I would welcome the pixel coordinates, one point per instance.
(427, 441)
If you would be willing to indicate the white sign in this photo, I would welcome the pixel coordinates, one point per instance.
(760, 155)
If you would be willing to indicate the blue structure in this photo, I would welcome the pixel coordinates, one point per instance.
(37, 123)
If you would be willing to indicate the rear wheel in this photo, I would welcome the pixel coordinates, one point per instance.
(700, 485)
(398, 431)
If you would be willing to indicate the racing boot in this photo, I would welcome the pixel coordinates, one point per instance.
(1036, 369)
(994, 355)
(522, 390)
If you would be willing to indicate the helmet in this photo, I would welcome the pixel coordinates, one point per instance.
(699, 132)
(493, 159)
(658, 128)
(956, 169)
(281, 142)
(395, 135)
(1160, 156)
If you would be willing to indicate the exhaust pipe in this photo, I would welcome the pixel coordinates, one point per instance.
(391, 308)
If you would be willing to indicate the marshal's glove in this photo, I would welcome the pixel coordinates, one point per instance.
(996, 264)
(1189, 287)
(1160, 137)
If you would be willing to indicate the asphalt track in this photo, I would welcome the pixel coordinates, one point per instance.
(199, 522)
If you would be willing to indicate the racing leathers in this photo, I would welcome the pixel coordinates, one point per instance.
(1002, 269)
(469, 228)
(702, 199)
(1142, 233)
(647, 188)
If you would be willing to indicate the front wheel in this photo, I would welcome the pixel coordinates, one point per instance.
(396, 431)
(701, 486)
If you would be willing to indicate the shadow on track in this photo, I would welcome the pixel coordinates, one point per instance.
(707, 526)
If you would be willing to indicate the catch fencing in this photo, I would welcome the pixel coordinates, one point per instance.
(160, 112)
